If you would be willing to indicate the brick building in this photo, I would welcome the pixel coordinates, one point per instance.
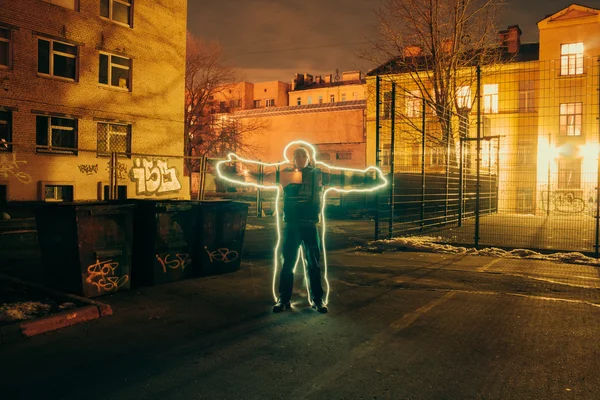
(80, 79)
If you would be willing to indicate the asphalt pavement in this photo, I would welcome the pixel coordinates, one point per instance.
(401, 326)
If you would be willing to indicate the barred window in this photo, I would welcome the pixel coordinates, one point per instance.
(413, 104)
(116, 10)
(114, 138)
(114, 71)
(5, 130)
(56, 135)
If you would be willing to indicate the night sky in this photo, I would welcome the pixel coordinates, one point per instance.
(273, 39)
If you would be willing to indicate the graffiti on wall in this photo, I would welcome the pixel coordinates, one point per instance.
(121, 170)
(102, 275)
(564, 201)
(174, 262)
(9, 166)
(154, 177)
(88, 169)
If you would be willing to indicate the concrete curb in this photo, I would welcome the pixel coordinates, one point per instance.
(23, 329)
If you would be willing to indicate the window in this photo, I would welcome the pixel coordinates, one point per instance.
(256, 104)
(325, 157)
(332, 98)
(571, 59)
(437, 156)
(309, 100)
(526, 93)
(114, 138)
(387, 105)
(354, 96)
(70, 4)
(5, 48)
(5, 130)
(463, 97)
(121, 192)
(525, 153)
(114, 71)
(343, 97)
(52, 192)
(525, 200)
(320, 100)
(343, 156)
(116, 10)
(298, 101)
(569, 173)
(270, 102)
(56, 134)
(490, 98)
(235, 103)
(222, 106)
(57, 59)
(386, 155)
(570, 119)
(413, 104)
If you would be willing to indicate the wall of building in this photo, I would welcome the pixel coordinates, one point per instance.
(153, 105)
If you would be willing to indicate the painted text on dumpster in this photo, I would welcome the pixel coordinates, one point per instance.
(176, 261)
(222, 255)
(102, 275)
(154, 177)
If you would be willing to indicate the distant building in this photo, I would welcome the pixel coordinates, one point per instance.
(80, 79)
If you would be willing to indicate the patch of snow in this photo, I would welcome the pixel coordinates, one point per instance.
(253, 227)
(436, 245)
(24, 310)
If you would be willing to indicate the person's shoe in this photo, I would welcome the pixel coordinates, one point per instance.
(319, 306)
(281, 306)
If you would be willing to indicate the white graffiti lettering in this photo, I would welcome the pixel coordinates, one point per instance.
(11, 167)
(154, 177)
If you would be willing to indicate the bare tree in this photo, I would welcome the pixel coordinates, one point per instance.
(435, 45)
(211, 126)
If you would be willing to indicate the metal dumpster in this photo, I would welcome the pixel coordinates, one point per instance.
(86, 246)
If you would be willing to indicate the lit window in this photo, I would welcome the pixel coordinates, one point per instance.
(298, 101)
(270, 102)
(332, 98)
(116, 10)
(569, 173)
(71, 4)
(386, 155)
(490, 98)
(114, 71)
(387, 105)
(463, 97)
(5, 130)
(57, 59)
(571, 59)
(56, 134)
(320, 99)
(571, 119)
(343, 97)
(256, 103)
(114, 138)
(354, 96)
(413, 104)
(58, 192)
(309, 100)
(5, 47)
(526, 96)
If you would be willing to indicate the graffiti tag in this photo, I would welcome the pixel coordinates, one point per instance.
(11, 167)
(179, 261)
(154, 177)
(222, 255)
(102, 275)
(88, 169)
(121, 170)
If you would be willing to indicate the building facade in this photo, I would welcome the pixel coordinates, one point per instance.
(81, 79)
(539, 120)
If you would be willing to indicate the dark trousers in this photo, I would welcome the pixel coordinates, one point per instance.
(307, 236)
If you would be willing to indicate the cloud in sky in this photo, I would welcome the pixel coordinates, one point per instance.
(273, 39)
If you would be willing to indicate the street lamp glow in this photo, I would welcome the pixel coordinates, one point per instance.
(232, 157)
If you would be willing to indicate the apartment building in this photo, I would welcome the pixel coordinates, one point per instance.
(81, 79)
(539, 119)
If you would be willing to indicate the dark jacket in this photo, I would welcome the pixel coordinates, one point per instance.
(302, 202)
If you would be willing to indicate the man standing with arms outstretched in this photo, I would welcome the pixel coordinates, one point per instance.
(302, 193)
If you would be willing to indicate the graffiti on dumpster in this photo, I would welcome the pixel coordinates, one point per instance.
(88, 169)
(174, 262)
(10, 166)
(222, 255)
(154, 177)
(102, 275)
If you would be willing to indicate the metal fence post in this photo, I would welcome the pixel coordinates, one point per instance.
(460, 183)
(598, 172)
(392, 180)
(478, 179)
(112, 185)
(377, 128)
(423, 110)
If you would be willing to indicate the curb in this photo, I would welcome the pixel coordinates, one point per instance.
(20, 330)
